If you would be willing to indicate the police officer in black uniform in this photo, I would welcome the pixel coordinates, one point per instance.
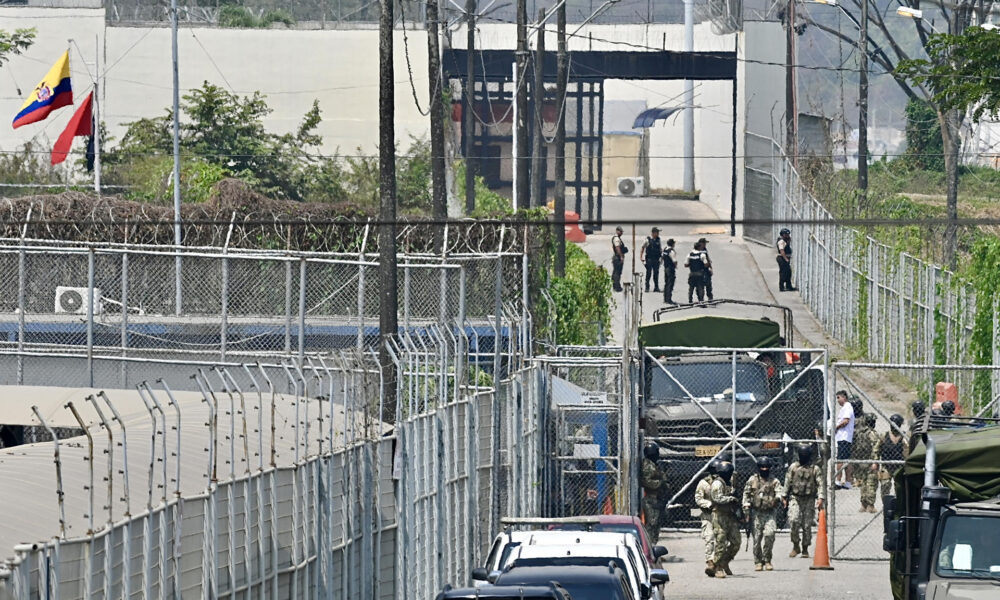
(650, 256)
(708, 269)
(669, 272)
(696, 263)
(784, 259)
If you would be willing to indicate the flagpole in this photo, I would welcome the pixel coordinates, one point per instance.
(177, 162)
(97, 116)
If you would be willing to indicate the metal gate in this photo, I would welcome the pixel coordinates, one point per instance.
(734, 403)
(591, 433)
(882, 390)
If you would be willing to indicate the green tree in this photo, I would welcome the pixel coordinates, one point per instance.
(898, 48)
(15, 42)
(924, 146)
(226, 130)
(961, 71)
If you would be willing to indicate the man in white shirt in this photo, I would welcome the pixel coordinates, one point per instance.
(844, 437)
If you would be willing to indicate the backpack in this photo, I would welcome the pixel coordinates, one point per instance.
(802, 480)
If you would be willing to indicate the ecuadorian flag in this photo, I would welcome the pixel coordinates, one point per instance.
(53, 92)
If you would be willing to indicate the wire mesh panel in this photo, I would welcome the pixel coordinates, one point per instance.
(245, 305)
(589, 436)
(736, 405)
(889, 403)
(280, 481)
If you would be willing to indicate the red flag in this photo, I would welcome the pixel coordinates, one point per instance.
(80, 124)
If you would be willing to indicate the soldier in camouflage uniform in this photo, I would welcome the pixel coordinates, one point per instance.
(653, 485)
(703, 499)
(891, 447)
(762, 495)
(725, 525)
(865, 448)
(804, 486)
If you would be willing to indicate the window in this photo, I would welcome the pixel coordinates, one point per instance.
(969, 547)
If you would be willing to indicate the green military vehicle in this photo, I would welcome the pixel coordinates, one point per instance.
(693, 400)
(942, 529)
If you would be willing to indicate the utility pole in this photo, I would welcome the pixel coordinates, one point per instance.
(522, 186)
(791, 133)
(178, 293)
(388, 306)
(688, 100)
(538, 96)
(863, 106)
(562, 82)
(468, 122)
(439, 196)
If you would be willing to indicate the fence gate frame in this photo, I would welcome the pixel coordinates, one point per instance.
(922, 376)
(733, 439)
(621, 410)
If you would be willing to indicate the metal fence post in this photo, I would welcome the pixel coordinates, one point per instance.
(90, 316)
(302, 308)
(124, 323)
(288, 307)
(224, 330)
(361, 304)
(21, 259)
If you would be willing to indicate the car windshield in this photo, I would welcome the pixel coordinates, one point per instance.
(609, 527)
(507, 551)
(969, 547)
(707, 379)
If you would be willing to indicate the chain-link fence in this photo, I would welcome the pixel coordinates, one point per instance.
(882, 398)
(237, 305)
(735, 404)
(591, 434)
(330, 13)
(273, 480)
(891, 306)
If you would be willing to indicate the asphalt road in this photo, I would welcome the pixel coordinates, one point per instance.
(747, 271)
(743, 270)
(791, 579)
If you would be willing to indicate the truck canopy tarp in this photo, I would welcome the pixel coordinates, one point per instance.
(966, 464)
(711, 331)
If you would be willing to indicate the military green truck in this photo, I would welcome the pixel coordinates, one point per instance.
(693, 399)
(942, 529)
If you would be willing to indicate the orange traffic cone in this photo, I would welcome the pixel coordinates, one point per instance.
(609, 508)
(821, 553)
(573, 231)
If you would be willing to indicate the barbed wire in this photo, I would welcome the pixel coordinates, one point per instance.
(405, 155)
(517, 221)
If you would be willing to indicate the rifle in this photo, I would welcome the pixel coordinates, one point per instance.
(748, 526)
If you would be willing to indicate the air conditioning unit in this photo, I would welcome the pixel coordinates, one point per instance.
(632, 186)
(73, 300)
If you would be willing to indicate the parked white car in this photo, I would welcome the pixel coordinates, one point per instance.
(637, 562)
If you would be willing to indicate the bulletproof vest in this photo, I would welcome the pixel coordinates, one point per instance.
(651, 481)
(802, 481)
(891, 450)
(623, 246)
(763, 495)
(788, 246)
(694, 262)
(653, 249)
(668, 259)
(863, 445)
